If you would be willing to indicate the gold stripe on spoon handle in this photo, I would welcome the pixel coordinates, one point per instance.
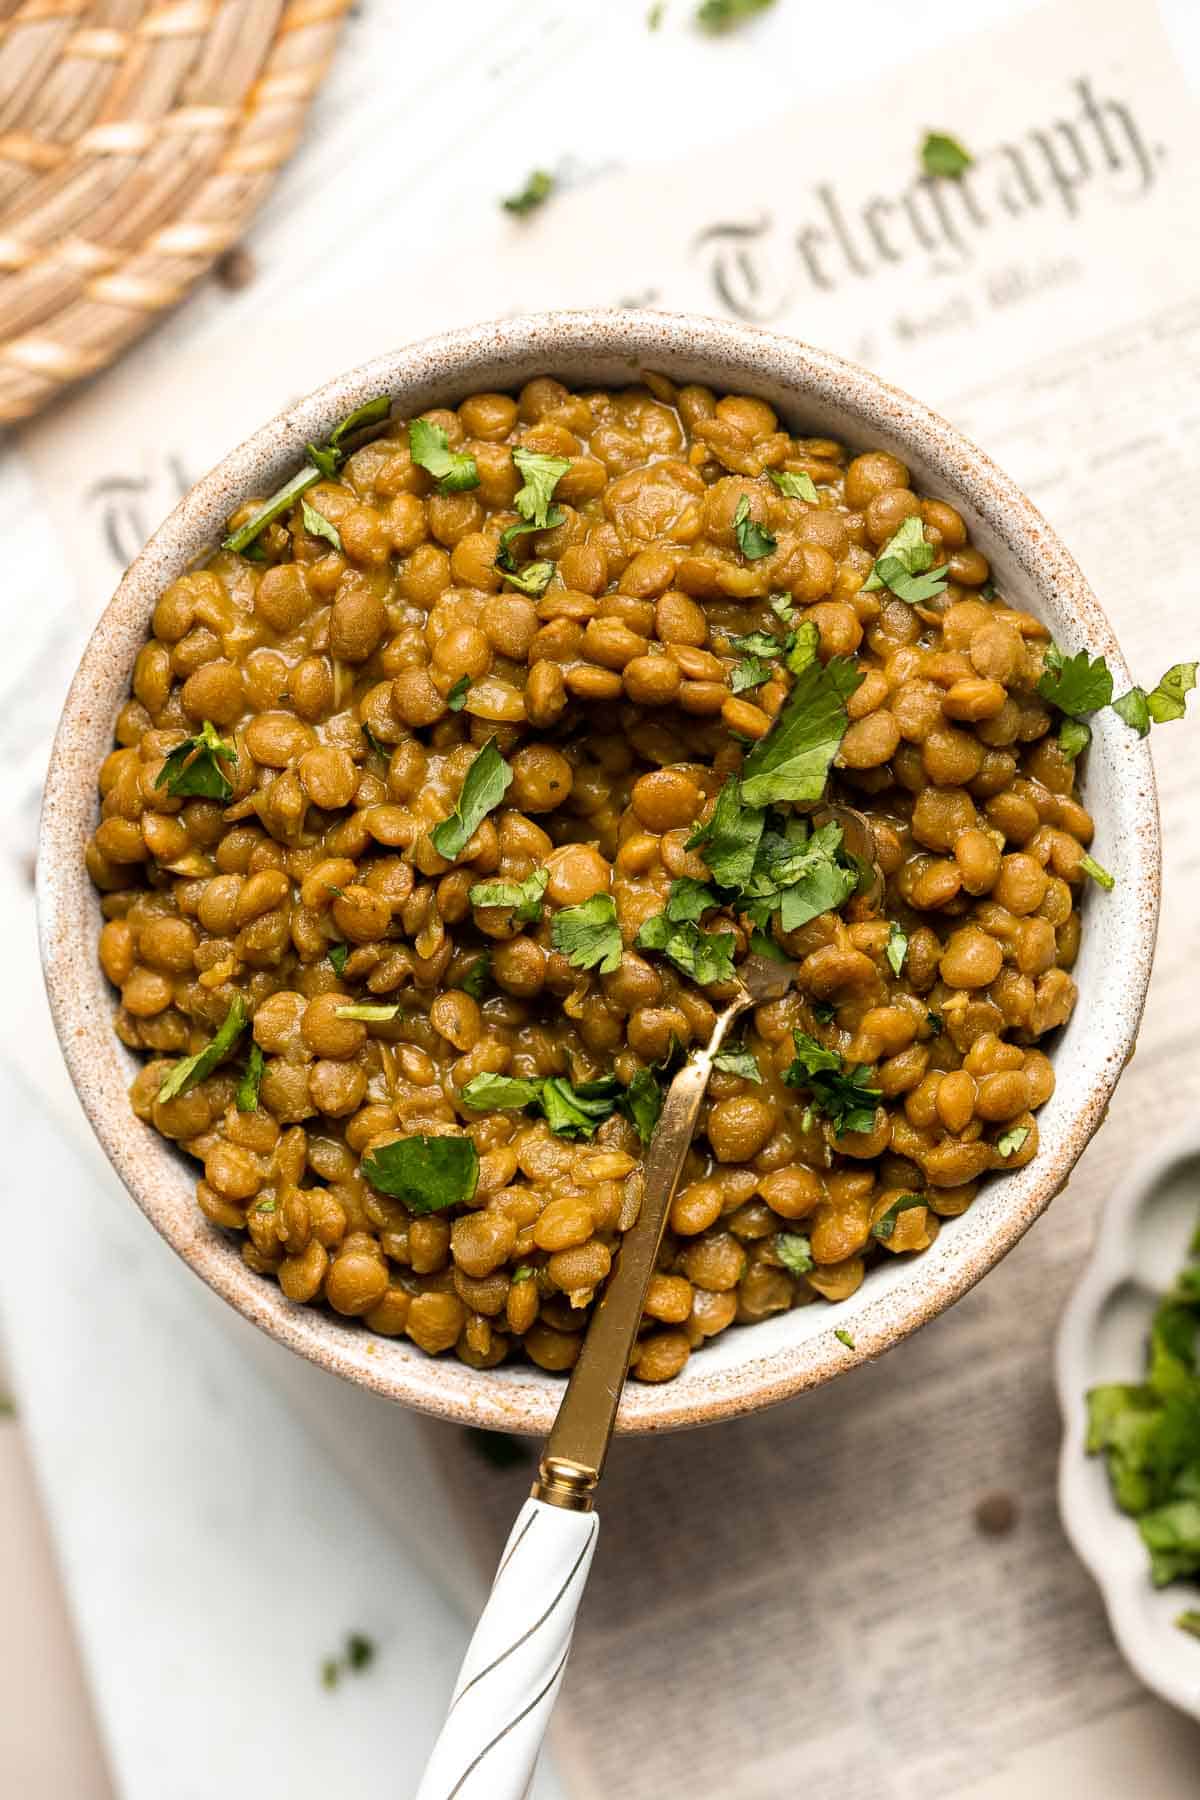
(578, 1442)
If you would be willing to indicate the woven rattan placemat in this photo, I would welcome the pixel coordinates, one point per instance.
(136, 139)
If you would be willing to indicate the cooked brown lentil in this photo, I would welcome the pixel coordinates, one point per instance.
(610, 696)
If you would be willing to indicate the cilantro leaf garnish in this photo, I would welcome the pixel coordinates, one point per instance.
(783, 606)
(588, 935)
(729, 839)
(843, 1337)
(1189, 1620)
(1101, 876)
(798, 874)
(642, 1103)
(896, 949)
(186, 1074)
(246, 1097)
(717, 16)
(337, 956)
(324, 462)
(1163, 703)
(1074, 737)
(759, 643)
(704, 956)
(522, 1272)
(427, 1173)
(456, 699)
(476, 978)
(532, 580)
(542, 475)
(570, 1112)
(738, 1060)
(193, 768)
(1011, 1141)
(499, 1093)
(902, 564)
(689, 899)
(368, 1013)
(795, 487)
(453, 470)
(943, 155)
(488, 780)
(885, 1224)
(749, 673)
(524, 897)
(505, 561)
(792, 762)
(317, 525)
(754, 540)
(794, 1252)
(537, 190)
(1076, 684)
(842, 1095)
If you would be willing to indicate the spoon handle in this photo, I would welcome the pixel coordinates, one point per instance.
(514, 1664)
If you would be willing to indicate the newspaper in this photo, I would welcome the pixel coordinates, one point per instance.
(803, 1602)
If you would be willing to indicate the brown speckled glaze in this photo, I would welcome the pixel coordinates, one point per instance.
(813, 391)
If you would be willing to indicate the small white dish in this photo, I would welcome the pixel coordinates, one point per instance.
(1143, 1241)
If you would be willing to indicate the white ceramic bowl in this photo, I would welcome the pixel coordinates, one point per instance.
(742, 1369)
(1143, 1241)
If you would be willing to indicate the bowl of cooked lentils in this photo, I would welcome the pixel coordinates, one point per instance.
(446, 751)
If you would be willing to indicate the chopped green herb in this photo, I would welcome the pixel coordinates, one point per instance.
(337, 956)
(792, 762)
(500, 1093)
(453, 470)
(522, 1272)
(331, 889)
(360, 1651)
(759, 643)
(1074, 737)
(475, 981)
(505, 561)
(542, 475)
(427, 1173)
(1101, 876)
(842, 1095)
(499, 1448)
(266, 1206)
(642, 1103)
(794, 1252)
(706, 957)
(902, 567)
(754, 540)
(369, 1015)
(718, 16)
(935, 1023)
(1163, 703)
(186, 1074)
(588, 935)
(487, 781)
(803, 649)
(843, 1337)
(331, 1673)
(375, 745)
(783, 606)
(897, 948)
(317, 525)
(738, 1060)
(762, 944)
(729, 839)
(524, 897)
(323, 461)
(246, 1096)
(944, 156)
(193, 769)
(749, 673)
(1189, 1621)
(885, 1224)
(795, 487)
(456, 699)
(571, 1112)
(824, 1012)
(532, 580)
(537, 190)
(1012, 1141)
(1076, 684)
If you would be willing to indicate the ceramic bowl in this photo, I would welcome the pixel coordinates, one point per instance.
(1143, 1241)
(823, 395)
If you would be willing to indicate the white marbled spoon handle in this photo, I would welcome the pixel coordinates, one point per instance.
(514, 1664)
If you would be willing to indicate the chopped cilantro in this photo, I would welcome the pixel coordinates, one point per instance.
(944, 156)
(1074, 737)
(588, 935)
(842, 1095)
(505, 561)
(453, 470)
(427, 1173)
(476, 978)
(1076, 684)
(897, 948)
(337, 956)
(823, 1011)
(642, 1103)
(738, 1060)
(749, 673)
(1012, 1141)
(456, 699)
(795, 487)
(522, 1272)
(524, 897)
(360, 1651)
(1189, 1621)
(246, 1097)
(570, 1112)
(487, 781)
(323, 460)
(843, 1337)
(754, 540)
(934, 1022)
(186, 1074)
(1101, 876)
(783, 607)
(730, 837)
(193, 768)
(537, 190)
(1167, 701)
(902, 566)
(885, 1224)
(317, 525)
(705, 956)
(542, 475)
(794, 1252)
(369, 1014)
(532, 580)
(792, 762)
(718, 16)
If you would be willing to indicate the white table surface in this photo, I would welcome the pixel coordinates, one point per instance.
(213, 1552)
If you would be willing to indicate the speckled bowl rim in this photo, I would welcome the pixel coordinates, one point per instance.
(788, 1354)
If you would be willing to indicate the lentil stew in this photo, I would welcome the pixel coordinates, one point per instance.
(442, 785)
